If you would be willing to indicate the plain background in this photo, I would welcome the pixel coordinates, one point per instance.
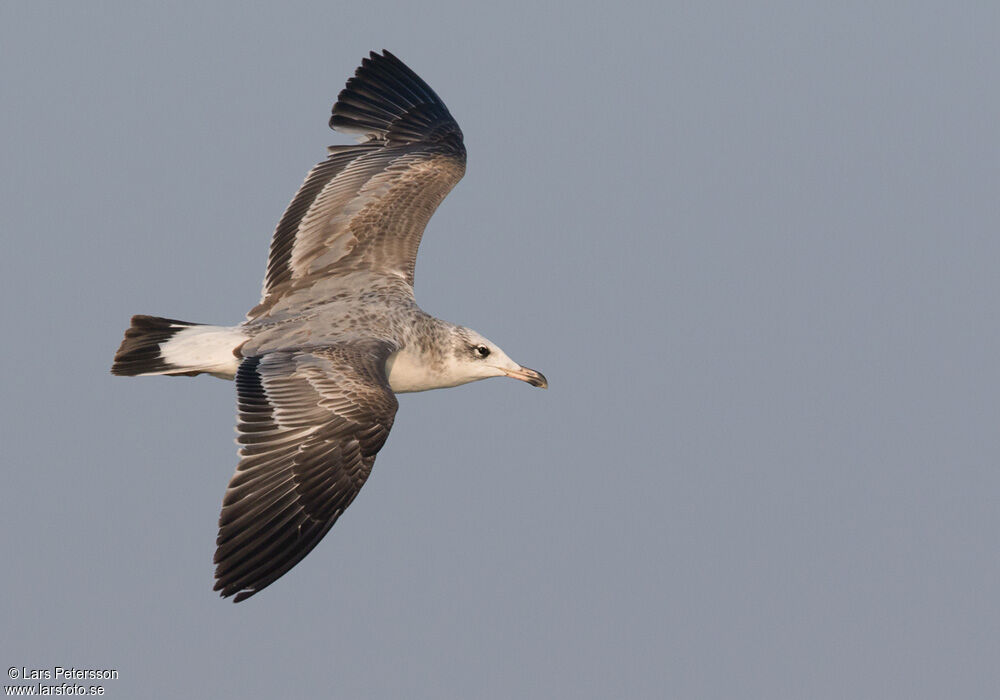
(754, 249)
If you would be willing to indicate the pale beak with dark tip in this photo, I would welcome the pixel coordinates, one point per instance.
(528, 375)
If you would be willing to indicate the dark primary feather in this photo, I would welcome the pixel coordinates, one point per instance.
(386, 101)
(366, 206)
(310, 425)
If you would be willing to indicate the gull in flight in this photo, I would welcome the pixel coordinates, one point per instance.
(337, 333)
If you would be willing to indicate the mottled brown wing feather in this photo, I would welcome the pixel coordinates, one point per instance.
(310, 425)
(365, 208)
(279, 269)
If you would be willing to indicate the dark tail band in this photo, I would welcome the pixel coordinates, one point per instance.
(139, 352)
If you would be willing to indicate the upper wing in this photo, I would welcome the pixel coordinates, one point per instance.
(310, 425)
(366, 206)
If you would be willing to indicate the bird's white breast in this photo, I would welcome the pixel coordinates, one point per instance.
(408, 370)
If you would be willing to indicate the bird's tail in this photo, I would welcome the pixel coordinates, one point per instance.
(155, 345)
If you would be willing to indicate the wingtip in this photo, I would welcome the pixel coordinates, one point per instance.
(385, 100)
(235, 593)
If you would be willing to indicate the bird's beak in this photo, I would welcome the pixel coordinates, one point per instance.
(528, 375)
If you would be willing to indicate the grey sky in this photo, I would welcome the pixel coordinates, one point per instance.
(755, 252)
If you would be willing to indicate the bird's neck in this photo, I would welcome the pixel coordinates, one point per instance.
(424, 361)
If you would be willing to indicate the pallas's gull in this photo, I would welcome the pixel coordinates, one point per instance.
(337, 332)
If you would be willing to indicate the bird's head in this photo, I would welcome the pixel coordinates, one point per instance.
(475, 357)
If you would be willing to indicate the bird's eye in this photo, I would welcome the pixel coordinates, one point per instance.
(482, 350)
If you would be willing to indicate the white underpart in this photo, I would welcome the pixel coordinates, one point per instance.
(205, 349)
(407, 371)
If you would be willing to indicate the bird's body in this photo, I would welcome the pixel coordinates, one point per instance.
(337, 331)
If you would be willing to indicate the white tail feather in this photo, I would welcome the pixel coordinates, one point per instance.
(204, 349)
